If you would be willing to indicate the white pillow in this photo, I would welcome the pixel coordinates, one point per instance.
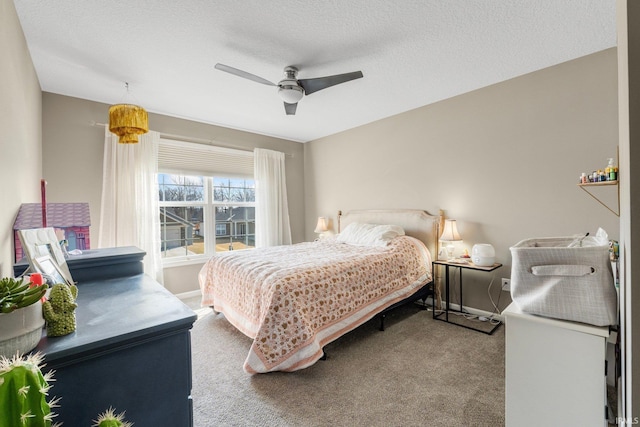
(369, 234)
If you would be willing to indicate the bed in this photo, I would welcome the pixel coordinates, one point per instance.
(293, 300)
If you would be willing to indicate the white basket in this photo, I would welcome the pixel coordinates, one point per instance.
(551, 279)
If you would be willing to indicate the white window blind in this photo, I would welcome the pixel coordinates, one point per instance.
(199, 159)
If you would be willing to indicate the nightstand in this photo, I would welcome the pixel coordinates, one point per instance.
(461, 265)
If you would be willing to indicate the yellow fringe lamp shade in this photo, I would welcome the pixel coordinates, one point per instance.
(128, 121)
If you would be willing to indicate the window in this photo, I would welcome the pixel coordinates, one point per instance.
(207, 200)
(188, 204)
(221, 229)
(234, 201)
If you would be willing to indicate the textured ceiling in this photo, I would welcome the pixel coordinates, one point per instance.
(411, 52)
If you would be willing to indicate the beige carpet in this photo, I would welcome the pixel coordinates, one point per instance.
(419, 372)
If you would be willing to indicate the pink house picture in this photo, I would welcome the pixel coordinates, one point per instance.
(73, 218)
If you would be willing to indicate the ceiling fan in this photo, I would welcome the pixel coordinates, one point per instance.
(290, 89)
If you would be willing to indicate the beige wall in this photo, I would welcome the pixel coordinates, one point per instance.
(503, 160)
(493, 158)
(20, 130)
(73, 152)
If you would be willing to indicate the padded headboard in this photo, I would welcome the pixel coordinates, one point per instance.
(416, 223)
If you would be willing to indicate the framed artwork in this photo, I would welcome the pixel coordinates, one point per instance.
(49, 269)
(41, 242)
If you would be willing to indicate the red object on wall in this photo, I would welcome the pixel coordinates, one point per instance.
(43, 201)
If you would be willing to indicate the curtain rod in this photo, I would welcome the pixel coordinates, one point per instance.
(195, 140)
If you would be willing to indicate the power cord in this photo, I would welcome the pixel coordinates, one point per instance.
(454, 296)
(475, 317)
(496, 311)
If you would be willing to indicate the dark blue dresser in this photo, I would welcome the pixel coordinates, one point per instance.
(131, 349)
(98, 263)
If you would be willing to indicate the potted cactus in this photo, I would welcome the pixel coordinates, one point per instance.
(21, 319)
(109, 419)
(24, 390)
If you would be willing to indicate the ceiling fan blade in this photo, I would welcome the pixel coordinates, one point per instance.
(290, 108)
(243, 74)
(319, 83)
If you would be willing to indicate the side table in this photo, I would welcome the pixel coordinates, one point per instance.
(460, 265)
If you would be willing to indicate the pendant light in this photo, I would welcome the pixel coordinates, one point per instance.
(128, 121)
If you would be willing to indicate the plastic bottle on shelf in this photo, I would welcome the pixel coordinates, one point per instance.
(612, 174)
(583, 178)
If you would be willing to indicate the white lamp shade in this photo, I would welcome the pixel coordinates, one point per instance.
(450, 232)
(322, 225)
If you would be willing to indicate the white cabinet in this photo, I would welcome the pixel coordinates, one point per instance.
(554, 371)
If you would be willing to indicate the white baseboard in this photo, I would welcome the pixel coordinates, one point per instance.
(470, 310)
(190, 294)
(479, 312)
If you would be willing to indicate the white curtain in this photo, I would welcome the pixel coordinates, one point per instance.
(129, 214)
(272, 211)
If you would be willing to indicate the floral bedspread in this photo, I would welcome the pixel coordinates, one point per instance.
(292, 300)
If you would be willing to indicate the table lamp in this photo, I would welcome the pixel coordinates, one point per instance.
(321, 227)
(450, 234)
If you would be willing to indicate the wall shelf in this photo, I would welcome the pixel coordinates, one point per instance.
(589, 186)
(596, 184)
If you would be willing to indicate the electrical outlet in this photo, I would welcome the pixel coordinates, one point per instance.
(506, 284)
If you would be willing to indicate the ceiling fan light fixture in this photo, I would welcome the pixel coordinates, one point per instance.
(290, 89)
(290, 94)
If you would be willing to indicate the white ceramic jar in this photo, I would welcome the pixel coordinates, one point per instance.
(21, 329)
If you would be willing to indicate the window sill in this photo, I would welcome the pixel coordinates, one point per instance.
(182, 261)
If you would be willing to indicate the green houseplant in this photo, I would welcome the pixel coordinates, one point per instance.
(15, 294)
(21, 318)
